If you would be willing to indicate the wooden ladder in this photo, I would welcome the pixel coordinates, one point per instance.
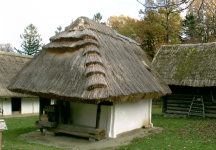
(197, 107)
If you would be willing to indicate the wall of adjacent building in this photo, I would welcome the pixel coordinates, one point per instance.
(29, 105)
(5, 104)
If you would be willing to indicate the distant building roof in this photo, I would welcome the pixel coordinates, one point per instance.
(187, 64)
(10, 64)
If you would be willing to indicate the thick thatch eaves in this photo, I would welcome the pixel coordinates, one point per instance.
(187, 64)
(10, 64)
(89, 62)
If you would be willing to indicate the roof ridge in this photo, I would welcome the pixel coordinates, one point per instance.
(15, 54)
(82, 23)
(126, 38)
(184, 45)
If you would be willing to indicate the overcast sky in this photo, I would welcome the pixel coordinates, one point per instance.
(47, 15)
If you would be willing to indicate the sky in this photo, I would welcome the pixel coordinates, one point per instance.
(47, 15)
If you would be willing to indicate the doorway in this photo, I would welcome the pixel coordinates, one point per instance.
(16, 105)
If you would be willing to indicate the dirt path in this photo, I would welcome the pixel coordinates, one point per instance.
(63, 141)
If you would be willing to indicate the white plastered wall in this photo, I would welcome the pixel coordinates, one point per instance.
(5, 104)
(83, 114)
(29, 105)
(129, 116)
(36, 105)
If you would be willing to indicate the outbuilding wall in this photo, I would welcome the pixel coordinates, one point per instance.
(116, 119)
(131, 115)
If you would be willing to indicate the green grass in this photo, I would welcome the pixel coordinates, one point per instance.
(157, 112)
(17, 126)
(178, 133)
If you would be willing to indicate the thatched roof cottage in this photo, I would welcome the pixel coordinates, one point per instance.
(190, 72)
(92, 69)
(10, 102)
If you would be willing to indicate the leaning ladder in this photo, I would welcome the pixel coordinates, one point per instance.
(197, 107)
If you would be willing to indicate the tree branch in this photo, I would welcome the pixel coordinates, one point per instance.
(189, 2)
(200, 7)
(169, 5)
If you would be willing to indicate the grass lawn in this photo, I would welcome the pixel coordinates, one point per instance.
(17, 126)
(178, 133)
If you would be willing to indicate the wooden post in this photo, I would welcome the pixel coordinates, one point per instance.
(164, 107)
(41, 110)
(0, 139)
(40, 107)
(98, 116)
(61, 119)
(68, 112)
(43, 102)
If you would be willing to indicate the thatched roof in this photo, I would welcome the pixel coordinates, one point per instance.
(187, 64)
(10, 64)
(88, 62)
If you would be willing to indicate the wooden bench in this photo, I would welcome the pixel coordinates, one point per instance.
(73, 129)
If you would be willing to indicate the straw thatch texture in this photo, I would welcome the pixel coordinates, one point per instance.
(91, 49)
(10, 64)
(88, 62)
(187, 64)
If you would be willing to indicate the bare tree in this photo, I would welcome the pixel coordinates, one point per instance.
(7, 48)
(205, 14)
(179, 5)
(203, 10)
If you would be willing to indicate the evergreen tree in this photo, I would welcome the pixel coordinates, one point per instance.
(204, 12)
(31, 41)
(190, 30)
(97, 17)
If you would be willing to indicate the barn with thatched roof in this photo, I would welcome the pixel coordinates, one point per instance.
(102, 81)
(190, 72)
(10, 102)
